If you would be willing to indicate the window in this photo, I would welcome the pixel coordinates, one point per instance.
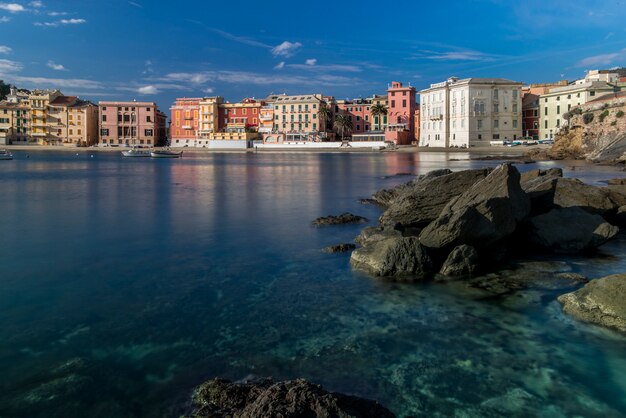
(496, 107)
(104, 109)
(119, 117)
(479, 123)
(514, 123)
(558, 123)
(592, 93)
(546, 124)
(403, 103)
(558, 110)
(104, 118)
(545, 111)
(79, 132)
(148, 119)
(126, 118)
(515, 94)
(497, 136)
(496, 123)
(148, 132)
(393, 103)
(104, 132)
(514, 107)
(558, 98)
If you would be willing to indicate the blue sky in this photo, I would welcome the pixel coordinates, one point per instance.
(159, 50)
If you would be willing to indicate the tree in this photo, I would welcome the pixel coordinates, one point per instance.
(379, 110)
(324, 114)
(5, 89)
(343, 123)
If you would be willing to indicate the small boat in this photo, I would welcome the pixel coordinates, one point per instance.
(166, 154)
(135, 152)
(5, 155)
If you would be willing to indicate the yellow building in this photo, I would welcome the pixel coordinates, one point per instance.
(39, 101)
(14, 123)
(209, 116)
(72, 122)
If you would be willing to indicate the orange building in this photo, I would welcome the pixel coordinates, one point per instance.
(185, 119)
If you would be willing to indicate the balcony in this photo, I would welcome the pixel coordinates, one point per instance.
(39, 134)
(266, 117)
(436, 117)
(187, 127)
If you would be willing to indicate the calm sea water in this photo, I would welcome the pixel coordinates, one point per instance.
(126, 282)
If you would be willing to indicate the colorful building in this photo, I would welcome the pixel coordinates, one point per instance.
(131, 124)
(359, 111)
(43, 125)
(401, 105)
(185, 121)
(416, 122)
(296, 118)
(240, 117)
(14, 123)
(470, 112)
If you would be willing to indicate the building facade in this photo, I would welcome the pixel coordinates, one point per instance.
(470, 112)
(359, 111)
(14, 123)
(240, 117)
(401, 105)
(296, 118)
(129, 124)
(185, 121)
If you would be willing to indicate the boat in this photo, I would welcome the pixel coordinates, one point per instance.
(5, 155)
(135, 152)
(166, 154)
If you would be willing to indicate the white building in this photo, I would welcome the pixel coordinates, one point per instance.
(470, 112)
(558, 101)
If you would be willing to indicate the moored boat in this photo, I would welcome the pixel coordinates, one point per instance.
(166, 154)
(5, 155)
(135, 152)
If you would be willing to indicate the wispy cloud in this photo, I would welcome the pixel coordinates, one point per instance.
(5, 19)
(44, 82)
(280, 65)
(209, 90)
(8, 66)
(4, 49)
(54, 14)
(311, 65)
(132, 3)
(12, 7)
(311, 61)
(61, 22)
(56, 67)
(461, 55)
(36, 4)
(243, 77)
(286, 49)
(240, 39)
(148, 90)
(602, 59)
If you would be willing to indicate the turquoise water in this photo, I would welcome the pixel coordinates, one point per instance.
(124, 283)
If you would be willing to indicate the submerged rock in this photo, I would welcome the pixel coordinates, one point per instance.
(344, 218)
(401, 257)
(422, 203)
(486, 213)
(220, 398)
(569, 230)
(462, 261)
(339, 248)
(601, 301)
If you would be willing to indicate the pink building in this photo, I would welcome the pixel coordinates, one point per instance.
(400, 114)
(131, 124)
(359, 111)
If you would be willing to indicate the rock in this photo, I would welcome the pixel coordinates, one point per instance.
(620, 217)
(396, 256)
(569, 230)
(265, 398)
(339, 248)
(528, 176)
(601, 301)
(485, 214)
(617, 182)
(386, 197)
(423, 202)
(344, 218)
(550, 192)
(373, 234)
(462, 261)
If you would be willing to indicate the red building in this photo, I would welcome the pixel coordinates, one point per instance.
(184, 120)
(400, 114)
(240, 117)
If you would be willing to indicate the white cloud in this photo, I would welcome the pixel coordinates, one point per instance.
(8, 66)
(12, 7)
(61, 22)
(5, 19)
(242, 77)
(311, 65)
(36, 4)
(602, 59)
(132, 3)
(280, 65)
(286, 49)
(457, 56)
(209, 90)
(56, 67)
(311, 61)
(236, 38)
(57, 14)
(72, 83)
(148, 90)
(4, 49)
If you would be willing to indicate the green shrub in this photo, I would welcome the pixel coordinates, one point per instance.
(603, 115)
(588, 118)
(619, 114)
(577, 111)
(614, 123)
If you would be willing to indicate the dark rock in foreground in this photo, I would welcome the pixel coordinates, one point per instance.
(386, 197)
(264, 398)
(462, 261)
(402, 257)
(601, 301)
(339, 248)
(569, 230)
(344, 218)
(549, 192)
(486, 213)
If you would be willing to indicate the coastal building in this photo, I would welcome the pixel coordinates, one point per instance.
(296, 118)
(470, 112)
(266, 119)
(416, 122)
(530, 106)
(560, 100)
(359, 111)
(241, 117)
(44, 126)
(209, 118)
(401, 105)
(14, 123)
(131, 123)
(72, 122)
(185, 121)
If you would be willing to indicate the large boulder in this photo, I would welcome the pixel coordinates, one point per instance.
(422, 203)
(550, 192)
(485, 214)
(462, 261)
(601, 301)
(401, 257)
(569, 230)
(220, 398)
(532, 175)
(386, 197)
(343, 219)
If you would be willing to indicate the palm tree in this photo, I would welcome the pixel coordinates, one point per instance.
(324, 115)
(379, 110)
(343, 123)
